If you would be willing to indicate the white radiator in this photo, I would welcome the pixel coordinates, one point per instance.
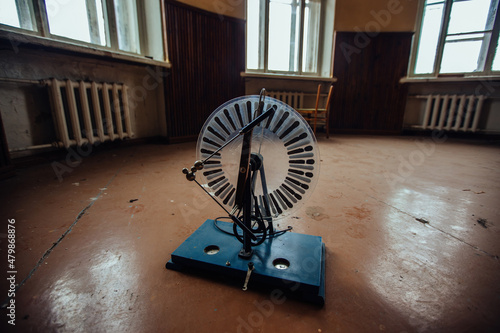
(452, 112)
(89, 112)
(294, 99)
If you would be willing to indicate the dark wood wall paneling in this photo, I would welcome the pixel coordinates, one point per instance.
(368, 97)
(207, 52)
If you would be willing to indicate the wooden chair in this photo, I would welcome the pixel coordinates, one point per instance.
(319, 116)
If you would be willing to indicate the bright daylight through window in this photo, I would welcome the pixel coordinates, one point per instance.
(74, 20)
(17, 13)
(457, 36)
(289, 43)
(104, 23)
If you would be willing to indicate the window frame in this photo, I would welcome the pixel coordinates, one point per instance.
(40, 34)
(263, 51)
(489, 54)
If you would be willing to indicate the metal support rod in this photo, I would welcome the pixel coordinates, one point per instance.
(247, 219)
(219, 149)
(265, 195)
(243, 170)
(262, 98)
(231, 215)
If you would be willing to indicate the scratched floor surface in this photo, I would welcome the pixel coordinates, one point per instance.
(411, 228)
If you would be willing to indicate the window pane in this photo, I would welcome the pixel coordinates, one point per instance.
(95, 18)
(284, 25)
(126, 25)
(311, 33)
(8, 13)
(470, 15)
(431, 24)
(253, 35)
(17, 14)
(78, 19)
(460, 57)
(68, 19)
(100, 22)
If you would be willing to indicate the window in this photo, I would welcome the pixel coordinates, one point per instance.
(126, 23)
(79, 19)
(457, 37)
(17, 13)
(131, 26)
(289, 43)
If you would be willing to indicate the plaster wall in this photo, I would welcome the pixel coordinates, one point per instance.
(26, 109)
(375, 15)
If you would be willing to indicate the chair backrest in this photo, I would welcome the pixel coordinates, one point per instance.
(328, 99)
(318, 95)
(325, 110)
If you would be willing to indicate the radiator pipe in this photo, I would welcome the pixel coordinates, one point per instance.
(48, 145)
(8, 79)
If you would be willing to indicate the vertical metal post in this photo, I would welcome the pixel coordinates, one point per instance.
(247, 218)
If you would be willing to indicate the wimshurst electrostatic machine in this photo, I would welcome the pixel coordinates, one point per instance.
(258, 159)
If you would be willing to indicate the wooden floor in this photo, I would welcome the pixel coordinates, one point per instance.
(411, 227)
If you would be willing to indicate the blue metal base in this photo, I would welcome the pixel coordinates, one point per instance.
(304, 277)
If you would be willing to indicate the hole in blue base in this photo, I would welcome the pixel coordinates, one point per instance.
(212, 249)
(281, 263)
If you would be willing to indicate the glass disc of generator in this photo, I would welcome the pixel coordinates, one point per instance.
(285, 144)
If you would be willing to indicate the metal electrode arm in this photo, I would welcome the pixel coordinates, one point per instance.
(198, 165)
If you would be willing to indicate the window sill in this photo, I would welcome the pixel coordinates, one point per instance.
(287, 77)
(17, 39)
(449, 79)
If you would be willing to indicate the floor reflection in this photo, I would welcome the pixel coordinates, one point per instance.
(109, 289)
